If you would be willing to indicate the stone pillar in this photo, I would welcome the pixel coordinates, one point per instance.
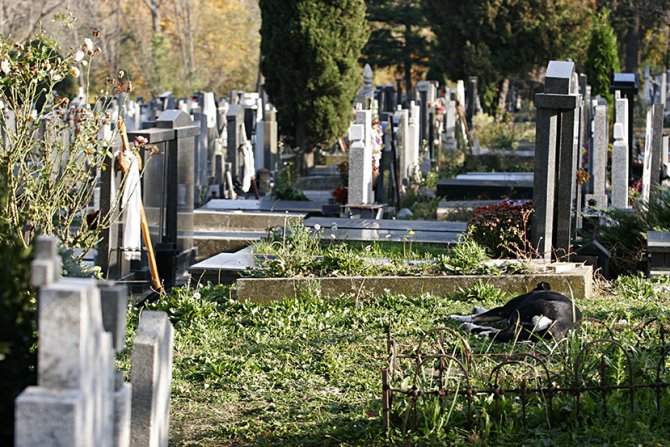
(271, 156)
(151, 378)
(620, 166)
(554, 157)
(652, 153)
(259, 138)
(235, 119)
(360, 167)
(401, 122)
(599, 163)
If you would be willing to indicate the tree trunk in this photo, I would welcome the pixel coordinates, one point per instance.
(407, 64)
(633, 43)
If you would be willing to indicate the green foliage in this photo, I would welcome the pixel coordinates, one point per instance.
(397, 38)
(602, 58)
(483, 291)
(502, 133)
(641, 288)
(306, 372)
(310, 51)
(503, 228)
(504, 38)
(419, 196)
(17, 326)
(624, 233)
(284, 188)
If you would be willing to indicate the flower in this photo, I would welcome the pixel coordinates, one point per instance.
(74, 71)
(4, 65)
(79, 55)
(88, 45)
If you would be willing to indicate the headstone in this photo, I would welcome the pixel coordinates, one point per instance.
(450, 124)
(599, 166)
(151, 378)
(271, 156)
(628, 84)
(366, 95)
(360, 167)
(652, 153)
(403, 141)
(428, 94)
(235, 119)
(259, 137)
(77, 400)
(555, 141)
(472, 99)
(619, 167)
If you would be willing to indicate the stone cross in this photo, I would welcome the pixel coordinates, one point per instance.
(555, 141)
(80, 399)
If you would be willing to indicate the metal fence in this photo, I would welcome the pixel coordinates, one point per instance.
(443, 370)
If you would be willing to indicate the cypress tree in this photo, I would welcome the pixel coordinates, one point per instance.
(309, 57)
(602, 57)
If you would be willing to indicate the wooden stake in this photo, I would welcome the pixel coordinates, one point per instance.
(144, 225)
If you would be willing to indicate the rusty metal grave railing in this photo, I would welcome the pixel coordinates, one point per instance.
(440, 380)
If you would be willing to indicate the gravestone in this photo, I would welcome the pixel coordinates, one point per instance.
(401, 123)
(79, 400)
(472, 99)
(555, 141)
(360, 167)
(450, 124)
(235, 119)
(599, 164)
(628, 84)
(619, 168)
(583, 143)
(270, 139)
(259, 137)
(652, 153)
(367, 94)
(427, 93)
(151, 377)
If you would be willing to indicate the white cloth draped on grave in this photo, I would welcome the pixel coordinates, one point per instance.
(130, 205)
(248, 173)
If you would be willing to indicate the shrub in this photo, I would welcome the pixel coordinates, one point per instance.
(17, 327)
(602, 57)
(503, 228)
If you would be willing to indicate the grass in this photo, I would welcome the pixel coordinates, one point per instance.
(306, 371)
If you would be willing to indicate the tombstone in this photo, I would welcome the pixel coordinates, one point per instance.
(390, 99)
(366, 95)
(78, 400)
(200, 159)
(450, 124)
(596, 255)
(619, 167)
(555, 158)
(599, 164)
(259, 137)
(151, 377)
(652, 153)
(472, 99)
(415, 148)
(401, 122)
(628, 84)
(271, 156)
(360, 167)
(583, 142)
(665, 157)
(427, 93)
(235, 119)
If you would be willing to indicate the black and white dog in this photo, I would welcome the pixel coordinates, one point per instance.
(540, 313)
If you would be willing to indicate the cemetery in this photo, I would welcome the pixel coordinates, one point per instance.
(193, 260)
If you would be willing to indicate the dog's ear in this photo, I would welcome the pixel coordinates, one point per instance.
(543, 286)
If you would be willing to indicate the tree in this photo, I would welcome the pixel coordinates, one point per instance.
(309, 56)
(641, 27)
(602, 57)
(500, 39)
(398, 36)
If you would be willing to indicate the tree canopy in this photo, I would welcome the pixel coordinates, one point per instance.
(498, 39)
(602, 57)
(399, 37)
(309, 57)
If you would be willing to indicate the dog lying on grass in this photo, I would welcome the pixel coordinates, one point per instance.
(538, 314)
